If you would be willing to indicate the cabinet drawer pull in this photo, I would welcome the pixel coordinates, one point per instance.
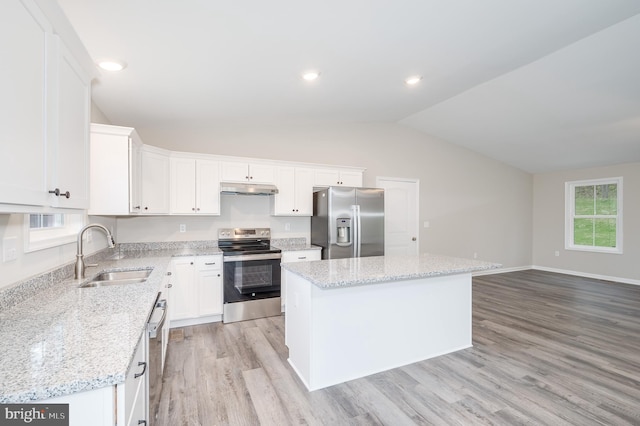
(169, 273)
(210, 263)
(144, 369)
(302, 257)
(169, 285)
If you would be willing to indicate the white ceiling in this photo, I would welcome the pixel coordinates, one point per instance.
(540, 84)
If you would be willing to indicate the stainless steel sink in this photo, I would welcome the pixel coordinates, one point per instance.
(108, 278)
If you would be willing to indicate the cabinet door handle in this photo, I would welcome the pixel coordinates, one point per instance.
(142, 422)
(136, 208)
(169, 285)
(59, 193)
(218, 274)
(144, 369)
(169, 273)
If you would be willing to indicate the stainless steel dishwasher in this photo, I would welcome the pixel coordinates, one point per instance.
(154, 329)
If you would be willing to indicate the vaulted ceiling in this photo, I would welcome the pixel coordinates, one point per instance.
(539, 84)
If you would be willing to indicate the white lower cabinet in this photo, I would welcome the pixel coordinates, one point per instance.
(122, 404)
(134, 394)
(295, 256)
(196, 291)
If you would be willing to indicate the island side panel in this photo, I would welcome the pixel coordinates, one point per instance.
(297, 325)
(362, 330)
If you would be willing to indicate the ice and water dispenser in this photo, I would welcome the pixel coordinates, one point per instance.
(344, 231)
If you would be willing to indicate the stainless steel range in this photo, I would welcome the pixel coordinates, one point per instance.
(251, 274)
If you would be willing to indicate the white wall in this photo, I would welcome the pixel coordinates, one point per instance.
(548, 224)
(474, 204)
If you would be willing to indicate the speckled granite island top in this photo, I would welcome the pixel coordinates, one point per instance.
(336, 273)
(67, 339)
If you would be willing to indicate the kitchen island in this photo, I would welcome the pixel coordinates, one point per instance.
(349, 318)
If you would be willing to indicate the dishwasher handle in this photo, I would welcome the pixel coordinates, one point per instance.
(155, 325)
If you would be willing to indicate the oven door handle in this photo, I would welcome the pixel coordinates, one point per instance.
(246, 257)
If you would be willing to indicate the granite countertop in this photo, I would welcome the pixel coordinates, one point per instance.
(338, 273)
(293, 244)
(65, 339)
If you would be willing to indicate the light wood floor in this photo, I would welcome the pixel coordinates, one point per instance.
(549, 349)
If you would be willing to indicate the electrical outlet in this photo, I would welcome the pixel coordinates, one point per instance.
(9, 250)
(183, 227)
(557, 253)
(426, 223)
(475, 255)
(287, 227)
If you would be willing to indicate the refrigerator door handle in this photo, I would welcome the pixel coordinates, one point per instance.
(357, 234)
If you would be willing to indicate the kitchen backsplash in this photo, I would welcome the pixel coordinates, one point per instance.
(23, 289)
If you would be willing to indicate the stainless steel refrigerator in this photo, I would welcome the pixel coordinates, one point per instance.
(348, 222)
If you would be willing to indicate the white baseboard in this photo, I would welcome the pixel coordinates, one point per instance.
(587, 275)
(558, 271)
(195, 321)
(501, 270)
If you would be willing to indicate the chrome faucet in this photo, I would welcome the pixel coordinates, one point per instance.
(80, 256)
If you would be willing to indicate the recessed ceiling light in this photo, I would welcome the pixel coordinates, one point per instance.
(414, 79)
(112, 65)
(311, 75)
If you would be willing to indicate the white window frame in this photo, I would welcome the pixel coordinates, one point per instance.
(43, 238)
(570, 215)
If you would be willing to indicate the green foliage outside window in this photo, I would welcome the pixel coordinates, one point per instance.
(595, 211)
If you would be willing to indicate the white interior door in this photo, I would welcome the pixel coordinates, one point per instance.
(400, 215)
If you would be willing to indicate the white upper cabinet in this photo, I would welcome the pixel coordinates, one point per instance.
(195, 186)
(114, 170)
(335, 177)
(233, 171)
(23, 74)
(70, 161)
(155, 181)
(295, 191)
(44, 110)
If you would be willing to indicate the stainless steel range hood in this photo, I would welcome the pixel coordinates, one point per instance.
(247, 188)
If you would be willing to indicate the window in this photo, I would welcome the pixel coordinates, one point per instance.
(594, 215)
(50, 230)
